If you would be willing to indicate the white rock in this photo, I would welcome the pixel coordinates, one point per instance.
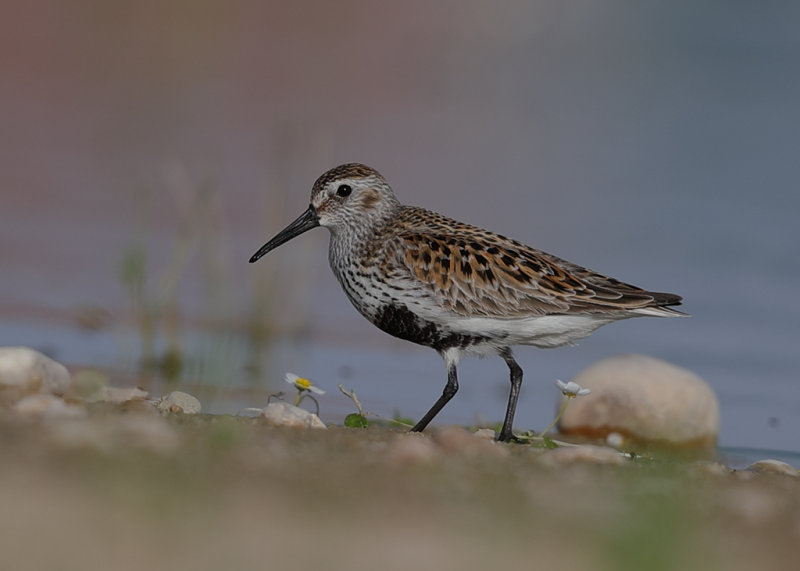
(615, 440)
(147, 432)
(774, 467)
(284, 414)
(47, 406)
(457, 440)
(116, 395)
(119, 395)
(118, 434)
(411, 449)
(92, 386)
(88, 434)
(584, 453)
(179, 402)
(29, 371)
(756, 506)
(646, 400)
(86, 385)
(710, 468)
(484, 433)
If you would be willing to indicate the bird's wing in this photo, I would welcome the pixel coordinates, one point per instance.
(472, 272)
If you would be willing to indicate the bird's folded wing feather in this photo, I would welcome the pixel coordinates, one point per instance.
(478, 273)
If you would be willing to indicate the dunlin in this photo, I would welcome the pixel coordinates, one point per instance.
(459, 289)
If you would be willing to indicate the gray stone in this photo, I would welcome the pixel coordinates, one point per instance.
(178, 402)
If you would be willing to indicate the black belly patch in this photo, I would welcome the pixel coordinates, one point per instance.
(399, 321)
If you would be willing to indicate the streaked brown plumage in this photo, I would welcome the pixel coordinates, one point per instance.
(474, 272)
(454, 287)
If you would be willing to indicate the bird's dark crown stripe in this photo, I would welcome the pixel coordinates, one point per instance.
(350, 170)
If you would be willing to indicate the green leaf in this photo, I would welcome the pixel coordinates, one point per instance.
(548, 442)
(355, 420)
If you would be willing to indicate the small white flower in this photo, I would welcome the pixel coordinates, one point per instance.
(302, 384)
(571, 389)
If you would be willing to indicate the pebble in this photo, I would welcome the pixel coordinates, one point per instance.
(285, 414)
(86, 384)
(147, 432)
(119, 395)
(615, 440)
(646, 400)
(754, 506)
(143, 432)
(411, 449)
(584, 453)
(92, 386)
(710, 468)
(457, 440)
(47, 406)
(28, 371)
(485, 434)
(178, 402)
(774, 467)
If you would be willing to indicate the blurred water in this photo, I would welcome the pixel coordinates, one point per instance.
(654, 142)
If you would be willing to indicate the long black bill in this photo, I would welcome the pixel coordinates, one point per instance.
(306, 221)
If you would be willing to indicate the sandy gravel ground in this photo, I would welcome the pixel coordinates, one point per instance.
(129, 490)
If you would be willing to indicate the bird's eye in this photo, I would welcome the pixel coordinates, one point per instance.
(344, 190)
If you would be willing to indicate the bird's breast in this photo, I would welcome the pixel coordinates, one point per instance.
(398, 320)
(389, 301)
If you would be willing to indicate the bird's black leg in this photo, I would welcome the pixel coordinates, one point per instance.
(506, 433)
(449, 390)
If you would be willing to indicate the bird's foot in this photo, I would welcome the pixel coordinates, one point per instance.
(508, 436)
